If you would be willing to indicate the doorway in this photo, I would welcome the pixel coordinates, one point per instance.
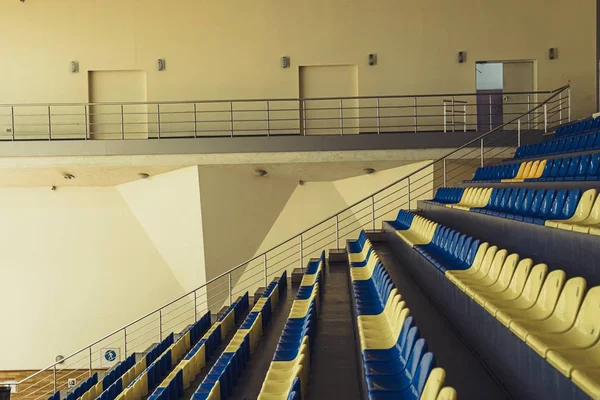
(503, 92)
(321, 117)
(116, 121)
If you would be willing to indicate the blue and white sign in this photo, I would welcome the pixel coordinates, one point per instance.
(110, 356)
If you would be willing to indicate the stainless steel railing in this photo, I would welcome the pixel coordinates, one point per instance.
(260, 117)
(367, 213)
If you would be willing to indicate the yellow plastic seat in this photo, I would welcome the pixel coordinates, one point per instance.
(360, 257)
(593, 220)
(447, 393)
(481, 250)
(523, 171)
(504, 280)
(434, 384)
(493, 276)
(582, 212)
(589, 381)
(543, 306)
(562, 317)
(540, 170)
(459, 279)
(583, 334)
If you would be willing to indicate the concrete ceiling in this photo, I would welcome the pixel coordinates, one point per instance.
(99, 175)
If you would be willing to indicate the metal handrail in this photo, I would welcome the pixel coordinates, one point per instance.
(292, 99)
(554, 93)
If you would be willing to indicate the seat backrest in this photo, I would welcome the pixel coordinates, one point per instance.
(573, 167)
(550, 291)
(479, 255)
(587, 321)
(418, 351)
(594, 165)
(517, 282)
(532, 287)
(564, 167)
(516, 206)
(555, 168)
(571, 203)
(464, 250)
(486, 263)
(406, 327)
(434, 384)
(422, 373)
(583, 166)
(525, 207)
(548, 168)
(589, 143)
(569, 301)
(496, 266)
(558, 204)
(508, 270)
(448, 393)
(546, 204)
(504, 201)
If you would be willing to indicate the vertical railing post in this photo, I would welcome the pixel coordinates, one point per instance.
(416, 115)
(12, 122)
(337, 231)
(265, 270)
(231, 117)
(378, 118)
(195, 307)
(409, 193)
(491, 121)
(301, 253)
(91, 366)
(195, 121)
(373, 211)
(545, 117)
(342, 116)
(519, 132)
(85, 121)
(445, 178)
(49, 124)
(569, 94)
(304, 117)
(529, 111)
(560, 108)
(453, 115)
(481, 155)
(444, 115)
(123, 124)
(465, 117)
(158, 119)
(125, 341)
(268, 118)
(230, 290)
(160, 325)
(54, 373)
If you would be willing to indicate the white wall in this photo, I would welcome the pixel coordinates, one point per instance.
(76, 264)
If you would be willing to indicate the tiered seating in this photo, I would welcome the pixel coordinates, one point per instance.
(288, 373)
(222, 377)
(87, 389)
(200, 349)
(570, 144)
(446, 196)
(578, 127)
(564, 209)
(396, 361)
(553, 315)
(579, 168)
(148, 378)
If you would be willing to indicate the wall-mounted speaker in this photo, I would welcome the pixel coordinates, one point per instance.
(285, 62)
(462, 57)
(372, 59)
(74, 67)
(161, 64)
(553, 53)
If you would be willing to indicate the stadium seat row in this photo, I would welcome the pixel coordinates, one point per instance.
(565, 209)
(223, 376)
(574, 128)
(198, 350)
(396, 361)
(578, 168)
(554, 316)
(87, 388)
(569, 144)
(150, 377)
(287, 377)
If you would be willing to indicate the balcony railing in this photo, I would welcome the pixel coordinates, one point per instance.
(275, 117)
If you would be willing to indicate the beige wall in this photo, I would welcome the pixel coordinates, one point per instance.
(76, 264)
(231, 49)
